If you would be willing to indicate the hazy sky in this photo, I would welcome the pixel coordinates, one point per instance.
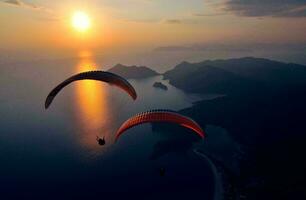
(147, 24)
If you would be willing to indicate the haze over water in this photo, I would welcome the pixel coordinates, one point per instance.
(44, 151)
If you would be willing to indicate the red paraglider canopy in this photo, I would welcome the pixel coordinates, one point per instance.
(160, 116)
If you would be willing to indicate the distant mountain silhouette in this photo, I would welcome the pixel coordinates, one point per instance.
(133, 72)
(263, 110)
(222, 76)
(207, 79)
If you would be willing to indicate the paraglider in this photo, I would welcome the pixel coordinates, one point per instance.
(107, 77)
(160, 116)
(101, 141)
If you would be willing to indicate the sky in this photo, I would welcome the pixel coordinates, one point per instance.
(142, 25)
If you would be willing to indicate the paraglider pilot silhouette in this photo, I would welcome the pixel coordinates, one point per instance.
(101, 141)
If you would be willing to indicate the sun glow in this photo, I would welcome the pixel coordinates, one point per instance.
(80, 21)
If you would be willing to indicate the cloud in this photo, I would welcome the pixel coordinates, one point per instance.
(209, 14)
(14, 2)
(49, 19)
(23, 4)
(172, 21)
(157, 21)
(232, 47)
(261, 8)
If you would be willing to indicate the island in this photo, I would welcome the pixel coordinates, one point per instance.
(133, 72)
(160, 85)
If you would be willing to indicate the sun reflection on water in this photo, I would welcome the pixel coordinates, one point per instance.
(92, 110)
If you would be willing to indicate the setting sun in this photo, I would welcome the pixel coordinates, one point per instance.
(80, 21)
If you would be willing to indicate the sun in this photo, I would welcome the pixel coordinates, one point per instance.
(80, 21)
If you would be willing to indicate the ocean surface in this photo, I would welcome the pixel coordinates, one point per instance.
(53, 154)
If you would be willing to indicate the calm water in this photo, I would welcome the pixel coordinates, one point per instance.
(48, 154)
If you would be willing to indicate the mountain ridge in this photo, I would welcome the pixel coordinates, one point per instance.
(248, 71)
(265, 119)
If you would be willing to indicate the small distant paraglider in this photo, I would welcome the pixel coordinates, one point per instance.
(101, 141)
(160, 116)
(107, 77)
